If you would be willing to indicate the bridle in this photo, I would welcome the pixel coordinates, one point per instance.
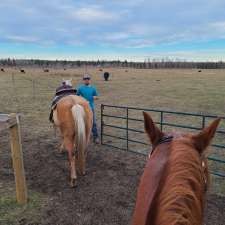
(164, 139)
(168, 139)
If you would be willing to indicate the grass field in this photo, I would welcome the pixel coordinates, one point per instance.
(178, 90)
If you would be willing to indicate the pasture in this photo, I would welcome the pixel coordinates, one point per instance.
(106, 195)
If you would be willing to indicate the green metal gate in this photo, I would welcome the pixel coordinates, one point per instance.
(118, 132)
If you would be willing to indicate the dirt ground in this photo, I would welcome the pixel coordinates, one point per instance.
(106, 195)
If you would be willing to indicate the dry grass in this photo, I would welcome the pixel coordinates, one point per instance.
(13, 213)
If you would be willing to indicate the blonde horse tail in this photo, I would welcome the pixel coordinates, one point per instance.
(80, 134)
(78, 116)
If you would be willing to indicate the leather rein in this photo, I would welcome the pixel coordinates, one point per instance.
(164, 139)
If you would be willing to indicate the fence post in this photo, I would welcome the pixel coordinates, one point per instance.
(203, 122)
(102, 108)
(33, 89)
(161, 120)
(13, 80)
(13, 87)
(17, 158)
(127, 126)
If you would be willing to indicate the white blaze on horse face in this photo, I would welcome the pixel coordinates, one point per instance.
(68, 82)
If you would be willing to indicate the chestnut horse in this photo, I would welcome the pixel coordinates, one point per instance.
(73, 116)
(174, 183)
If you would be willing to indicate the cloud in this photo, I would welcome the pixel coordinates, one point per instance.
(23, 39)
(129, 25)
(116, 36)
(93, 14)
(219, 27)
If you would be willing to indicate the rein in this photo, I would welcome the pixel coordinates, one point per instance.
(164, 139)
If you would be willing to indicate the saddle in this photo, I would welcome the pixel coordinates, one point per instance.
(61, 92)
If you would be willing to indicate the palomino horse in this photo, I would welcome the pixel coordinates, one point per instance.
(73, 116)
(173, 186)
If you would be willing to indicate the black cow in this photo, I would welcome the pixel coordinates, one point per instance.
(106, 76)
(22, 71)
(2, 70)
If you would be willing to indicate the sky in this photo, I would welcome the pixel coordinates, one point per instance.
(136, 30)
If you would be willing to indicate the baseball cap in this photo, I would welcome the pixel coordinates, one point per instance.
(86, 77)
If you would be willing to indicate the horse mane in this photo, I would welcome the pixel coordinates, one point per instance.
(180, 199)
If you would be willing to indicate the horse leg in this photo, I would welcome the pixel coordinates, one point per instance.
(69, 145)
(82, 160)
(73, 174)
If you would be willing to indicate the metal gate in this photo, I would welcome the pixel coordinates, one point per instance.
(122, 128)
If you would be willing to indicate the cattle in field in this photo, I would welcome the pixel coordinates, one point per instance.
(199, 71)
(2, 70)
(46, 70)
(22, 71)
(106, 76)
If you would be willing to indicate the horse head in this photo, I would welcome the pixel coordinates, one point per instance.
(177, 168)
(199, 142)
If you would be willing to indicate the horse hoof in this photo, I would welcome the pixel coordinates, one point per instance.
(63, 152)
(84, 174)
(73, 183)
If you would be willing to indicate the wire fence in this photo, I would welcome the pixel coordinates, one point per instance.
(30, 95)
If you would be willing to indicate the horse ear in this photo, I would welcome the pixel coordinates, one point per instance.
(204, 138)
(154, 133)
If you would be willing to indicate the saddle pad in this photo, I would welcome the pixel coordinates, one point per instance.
(58, 97)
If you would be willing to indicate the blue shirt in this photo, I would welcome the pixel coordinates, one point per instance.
(88, 92)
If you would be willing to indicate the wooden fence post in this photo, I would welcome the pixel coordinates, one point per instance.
(13, 80)
(33, 88)
(17, 157)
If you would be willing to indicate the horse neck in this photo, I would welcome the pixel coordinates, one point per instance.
(181, 198)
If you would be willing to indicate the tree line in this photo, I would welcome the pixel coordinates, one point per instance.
(154, 64)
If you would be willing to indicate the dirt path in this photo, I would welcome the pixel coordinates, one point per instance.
(106, 195)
